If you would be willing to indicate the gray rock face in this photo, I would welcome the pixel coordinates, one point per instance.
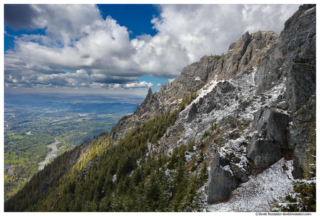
(300, 134)
(297, 171)
(301, 84)
(263, 152)
(211, 107)
(265, 147)
(221, 182)
(281, 105)
(272, 126)
(293, 57)
(243, 54)
(226, 87)
(240, 174)
(244, 105)
(192, 112)
(150, 104)
(113, 135)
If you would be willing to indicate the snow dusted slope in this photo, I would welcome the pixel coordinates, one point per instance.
(259, 192)
(231, 106)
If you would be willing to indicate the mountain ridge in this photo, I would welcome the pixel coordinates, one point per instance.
(241, 114)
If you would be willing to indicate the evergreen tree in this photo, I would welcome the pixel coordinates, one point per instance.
(203, 174)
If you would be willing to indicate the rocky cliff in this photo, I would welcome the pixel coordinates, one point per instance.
(251, 108)
(241, 57)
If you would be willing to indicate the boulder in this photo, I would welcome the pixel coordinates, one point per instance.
(271, 125)
(221, 182)
(240, 173)
(200, 100)
(243, 105)
(263, 152)
(210, 107)
(225, 87)
(234, 136)
(192, 113)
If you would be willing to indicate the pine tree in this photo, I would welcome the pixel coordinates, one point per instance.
(192, 199)
(193, 164)
(203, 174)
(180, 182)
(182, 150)
(200, 158)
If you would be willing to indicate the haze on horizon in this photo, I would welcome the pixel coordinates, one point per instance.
(120, 49)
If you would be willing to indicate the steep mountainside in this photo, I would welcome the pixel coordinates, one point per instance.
(241, 57)
(246, 115)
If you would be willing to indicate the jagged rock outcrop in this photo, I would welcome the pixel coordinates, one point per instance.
(267, 144)
(293, 57)
(271, 125)
(192, 112)
(240, 59)
(221, 182)
(149, 105)
(263, 152)
(242, 55)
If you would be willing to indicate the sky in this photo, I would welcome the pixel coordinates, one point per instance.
(120, 49)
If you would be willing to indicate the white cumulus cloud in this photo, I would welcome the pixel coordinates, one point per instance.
(103, 55)
(142, 84)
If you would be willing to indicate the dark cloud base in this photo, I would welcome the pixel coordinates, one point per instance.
(19, 15)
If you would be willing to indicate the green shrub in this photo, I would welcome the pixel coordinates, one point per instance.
(205, 135)
(186, 100)
(193, 166)
(218, 57)
(257, 62)
(279, 75)
(195, 63)
(203, 174)
(200, 157)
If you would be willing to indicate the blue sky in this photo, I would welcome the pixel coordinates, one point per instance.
(136, 17)
(120, 49)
